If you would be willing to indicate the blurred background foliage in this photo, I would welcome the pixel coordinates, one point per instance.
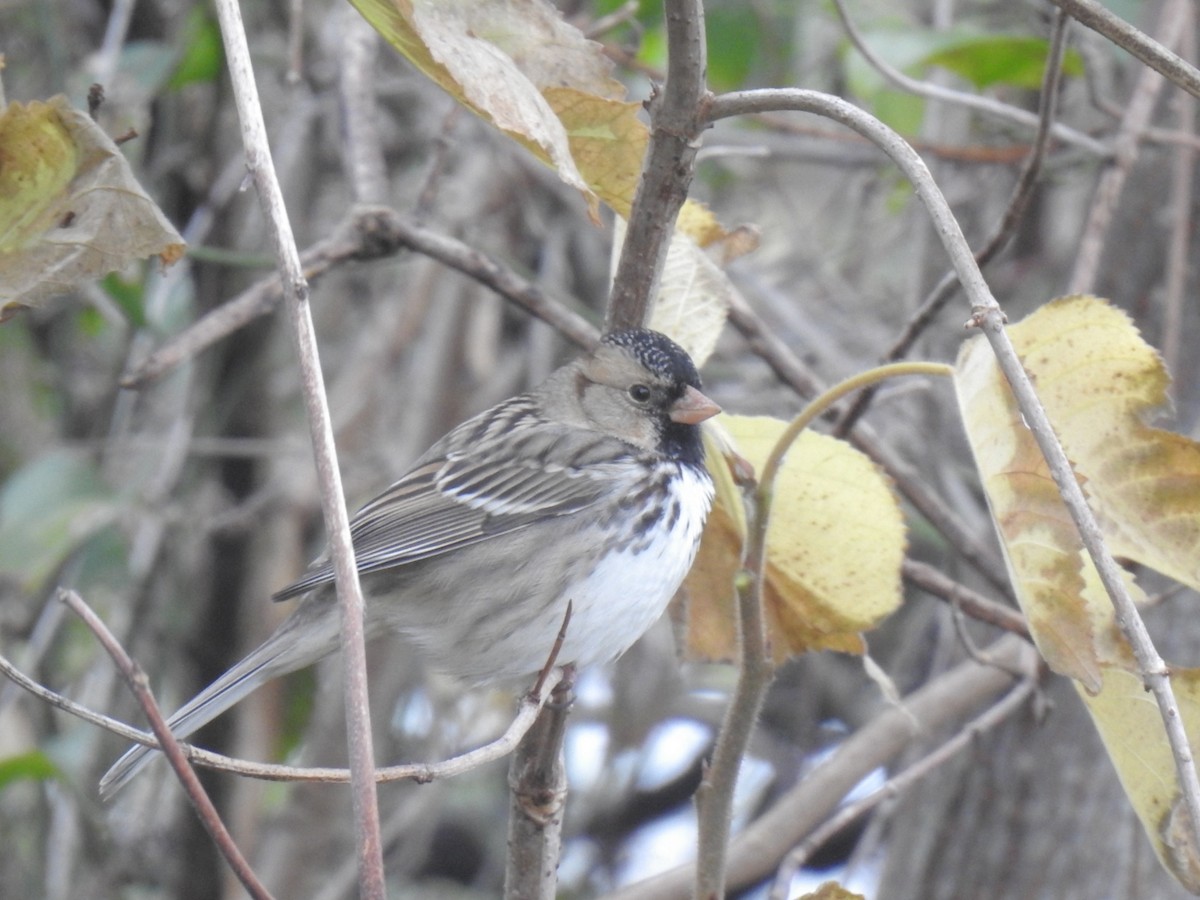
(176, 509)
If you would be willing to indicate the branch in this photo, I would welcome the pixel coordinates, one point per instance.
(537, 781)
(1168, 64)
(676, 122)
(368, 232)
(169, 745)
(791, 370)
(333, 502)
(963, 738)
(756, 668)
(1005, 229)
(527, 712)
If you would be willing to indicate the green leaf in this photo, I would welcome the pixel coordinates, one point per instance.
(203, 56)
(988, 59)
(32, 766)
(735, 40)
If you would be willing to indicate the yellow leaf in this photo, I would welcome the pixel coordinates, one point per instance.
(1100, 382)
(1041, 545)
(1131, 727)
(835, 544)
(607, 141)
(70, 207)
(495, 58)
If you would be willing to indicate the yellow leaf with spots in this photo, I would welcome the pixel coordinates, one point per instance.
(1131, 727)
(1099, 382)
(835, 544)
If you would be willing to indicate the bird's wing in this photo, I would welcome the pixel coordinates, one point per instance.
(457, 499)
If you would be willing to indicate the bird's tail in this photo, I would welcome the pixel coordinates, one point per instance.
(305, 637)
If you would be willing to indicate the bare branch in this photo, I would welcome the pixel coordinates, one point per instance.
(333, 502)
(1176, 69)
(531, 704)
(676, 122)
(367, 233)
(537, 781)
(755, 853)
(1005, 230)
(990, 718)
(137, 681)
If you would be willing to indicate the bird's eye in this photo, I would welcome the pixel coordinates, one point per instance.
(640, 393)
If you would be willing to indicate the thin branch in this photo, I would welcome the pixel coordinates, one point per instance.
(139, 684)
(756, 669)
(974, 604)
(1154, 672)
(1005, 229)
(791, 370)
(367, 233)
(676, 123)
(1162, 60)
(1183, 166)
(527, 712)
(987, 105)
(333, 502)
(1009, 704)
(362, 149)
(1138, 112)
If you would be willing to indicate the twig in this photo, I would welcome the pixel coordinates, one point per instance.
(988, 105)
(362, 150)
(792, 371)
(676, 122)
(1168, 64)
(138, 683)
(1138, 112)
(974, 604)
(367, 233)
(1179, 248)
(1005, 229)
(537, 781)
(333, 502)
(968, 734)
(421, 772)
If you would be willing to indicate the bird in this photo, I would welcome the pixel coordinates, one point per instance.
(589, 490)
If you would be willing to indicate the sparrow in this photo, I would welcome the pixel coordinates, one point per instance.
(590, 490)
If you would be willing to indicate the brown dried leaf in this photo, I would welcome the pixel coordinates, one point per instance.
(70, 207)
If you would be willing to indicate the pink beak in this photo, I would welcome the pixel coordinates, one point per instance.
(693, 408)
